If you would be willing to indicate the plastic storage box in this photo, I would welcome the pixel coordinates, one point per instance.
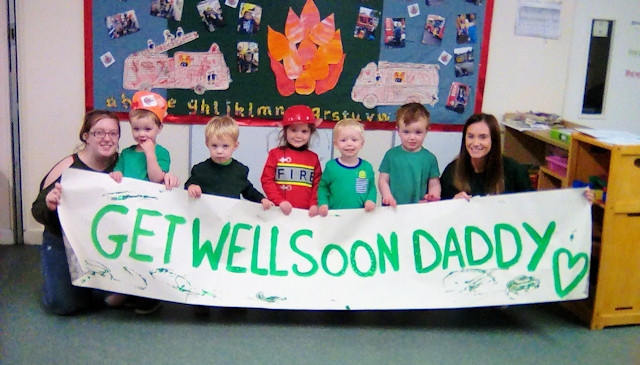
(557, 164)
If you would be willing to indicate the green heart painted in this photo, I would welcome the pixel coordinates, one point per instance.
(572, 261)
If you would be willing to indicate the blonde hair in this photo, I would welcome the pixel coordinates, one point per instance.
(348, 123)
(222, 126)
(143, 113)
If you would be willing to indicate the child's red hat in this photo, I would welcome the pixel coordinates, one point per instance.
(150, 101)
(299, 114)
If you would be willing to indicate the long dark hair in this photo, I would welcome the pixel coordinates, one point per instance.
(494, 171)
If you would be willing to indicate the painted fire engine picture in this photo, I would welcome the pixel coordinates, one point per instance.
(396, 83)
(200, 71)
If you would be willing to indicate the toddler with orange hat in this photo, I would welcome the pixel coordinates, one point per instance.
(291, 175)
(145, 160)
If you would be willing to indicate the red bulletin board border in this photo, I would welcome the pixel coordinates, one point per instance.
(258, 122)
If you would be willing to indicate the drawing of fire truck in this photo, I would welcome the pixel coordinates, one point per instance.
(200, 71)
(396, 83)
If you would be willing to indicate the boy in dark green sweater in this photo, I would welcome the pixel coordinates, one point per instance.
(221, 174)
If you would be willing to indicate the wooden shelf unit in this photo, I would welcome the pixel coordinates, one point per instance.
(531, 147)
(614, 291)
(615, 261)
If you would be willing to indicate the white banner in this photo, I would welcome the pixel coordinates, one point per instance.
(138, 238)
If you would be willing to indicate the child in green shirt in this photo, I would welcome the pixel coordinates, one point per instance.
(348, 182)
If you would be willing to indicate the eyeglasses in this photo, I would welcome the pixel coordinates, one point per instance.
(101, 134)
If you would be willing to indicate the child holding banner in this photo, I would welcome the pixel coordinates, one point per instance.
(480, 168)
(145, 160)
(347, 182)
(221, 174)
(292, 172)
(408, 170)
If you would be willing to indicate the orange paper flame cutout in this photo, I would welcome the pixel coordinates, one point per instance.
(308, 57)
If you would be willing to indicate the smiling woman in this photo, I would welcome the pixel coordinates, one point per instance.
(99, 134)
(480, 168)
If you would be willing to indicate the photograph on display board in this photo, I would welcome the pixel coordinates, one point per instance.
(458, 97)
(433, 30)
(464, 64)
(367, 24)
(122, 24)
(248, 54)
(394, 32)
(249, 18)
(466, 27)
(169, 9)
(211, 14)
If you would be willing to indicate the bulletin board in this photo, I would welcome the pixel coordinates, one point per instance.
(252, 60)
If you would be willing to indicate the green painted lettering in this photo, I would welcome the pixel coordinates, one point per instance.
(234, 249)
(118, 239)
(173, 221)
(294, 246)
(138, 231)
(254, 255)
(498, 229)
(388, 252)
(542, 242)
(199, 252)
(372, 259)
(468, 241)
(325, 255)
(417, 251)
(272, 255)
(452, 248)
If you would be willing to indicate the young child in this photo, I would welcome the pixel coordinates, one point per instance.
(145, 160)
(292, 172)
(408, 170)
(221, 174)
(347, 182)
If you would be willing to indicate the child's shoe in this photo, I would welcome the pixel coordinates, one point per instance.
(147, 305)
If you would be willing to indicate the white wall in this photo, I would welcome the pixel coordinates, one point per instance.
(6, 173)
(523, 74)
(621, 109)
(526, 73)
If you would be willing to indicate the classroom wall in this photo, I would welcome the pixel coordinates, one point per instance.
(622, 103)
(523, 74)
(6, 184)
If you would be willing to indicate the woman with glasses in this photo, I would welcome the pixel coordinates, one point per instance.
(98, 152)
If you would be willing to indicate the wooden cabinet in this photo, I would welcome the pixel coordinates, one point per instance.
(614, 297)
(615, 261)
(532, 147)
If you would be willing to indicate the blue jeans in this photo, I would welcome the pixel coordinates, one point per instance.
(59, 295)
